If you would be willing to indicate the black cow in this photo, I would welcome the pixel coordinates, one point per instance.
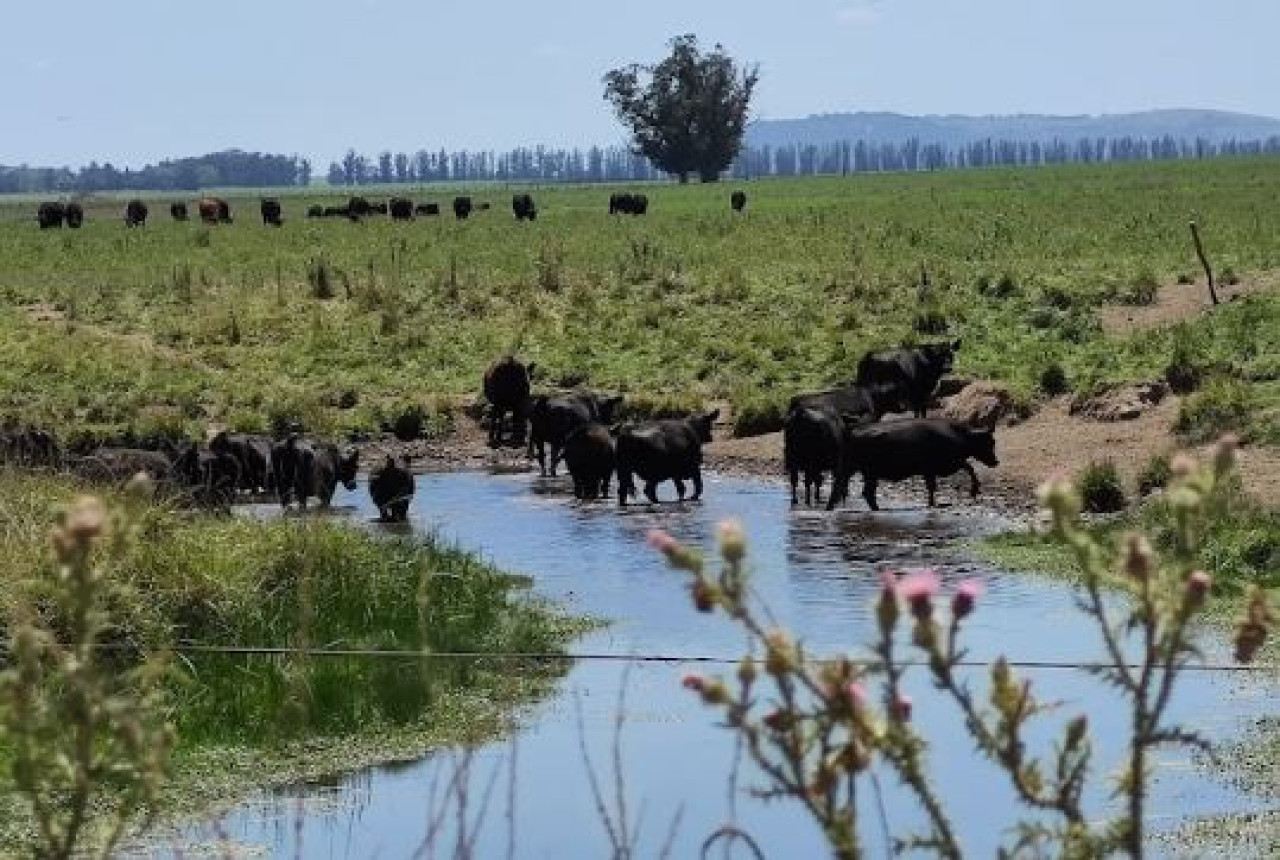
(272, 214)
(738, 200)
(506, 386)
(907, 377)
(628, 204)
(428, 209)
(401, 209)
(590, 455)
(359, 207)
(812, 444)
(211, 477)
(135, 214)
(253, 454)
(305, 469)
(338, 212)
(553, 418)
(109, 464)
(462, 208)
(178, 211)
(315, 211)
(50, 215)
(391, 489)
(523, 207)
(657, 451)
(30, 447)
(74, 213)
(930, 448)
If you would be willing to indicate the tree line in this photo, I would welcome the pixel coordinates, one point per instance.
(607, 164)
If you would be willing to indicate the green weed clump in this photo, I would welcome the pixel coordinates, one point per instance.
(1155, 475)
(1222, 406)
(1101, 490)
(758, 414)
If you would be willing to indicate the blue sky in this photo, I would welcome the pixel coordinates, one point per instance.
(131, 81)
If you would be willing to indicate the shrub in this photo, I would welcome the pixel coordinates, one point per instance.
(1184, 279)
(1222, 406)
(1053, 380)
(930, 321)
(1155, 475)
(1141, 290)
(1228, 277)
(1182, 373)
(1100, 489)
(755, 416)
(1003, 287)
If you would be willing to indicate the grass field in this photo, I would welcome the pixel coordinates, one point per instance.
(178, 324)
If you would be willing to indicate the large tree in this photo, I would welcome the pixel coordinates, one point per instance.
(687, 113)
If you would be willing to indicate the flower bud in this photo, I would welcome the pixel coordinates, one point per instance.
(140, 487)
(1224, 453)
(86, 519)
(902, 708)
(887, 605)
(704, 594)
(1182, 465)
(747, 670)
(693, 682)
(1138, 559)
(1198, 585)
(781, 656)
(966, 597)
(918, 590)
(733, 541)
(1076, 731)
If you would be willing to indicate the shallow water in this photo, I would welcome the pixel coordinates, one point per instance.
(817, 574)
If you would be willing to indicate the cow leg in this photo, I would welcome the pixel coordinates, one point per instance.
(541, 451)
(697, 484)
(651, 490)
(557, 454)
(869, 492)
(817, 488)
(931, 485)
(973, 480)
(795, 482)
(624, 487)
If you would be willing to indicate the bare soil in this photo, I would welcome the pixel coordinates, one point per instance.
(1177, 303)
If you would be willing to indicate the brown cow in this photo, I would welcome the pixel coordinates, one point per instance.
(214, 210)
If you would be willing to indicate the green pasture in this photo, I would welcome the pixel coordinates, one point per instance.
(182, 323)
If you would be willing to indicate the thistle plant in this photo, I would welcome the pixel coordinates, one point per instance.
(816, 730)
(87, 736)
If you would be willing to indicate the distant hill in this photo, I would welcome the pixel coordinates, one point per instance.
(955, 130)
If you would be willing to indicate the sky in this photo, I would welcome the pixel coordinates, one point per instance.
(134, 81)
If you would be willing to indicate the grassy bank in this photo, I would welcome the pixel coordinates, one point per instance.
(246, 324)
(243, 720)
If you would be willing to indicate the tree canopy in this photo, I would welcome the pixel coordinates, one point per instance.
(687, 114)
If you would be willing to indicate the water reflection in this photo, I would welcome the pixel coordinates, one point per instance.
(817, 574)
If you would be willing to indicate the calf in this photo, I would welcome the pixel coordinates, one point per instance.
(391, 488)
(552, 419)
(657, 451)
(591, 457)
(926, 447)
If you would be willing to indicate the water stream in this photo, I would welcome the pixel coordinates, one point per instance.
(817, 574)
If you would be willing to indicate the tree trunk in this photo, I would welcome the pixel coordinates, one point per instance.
(684, 177)
(709, 175)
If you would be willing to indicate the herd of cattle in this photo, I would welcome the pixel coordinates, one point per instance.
(838, 432)
(215, 210)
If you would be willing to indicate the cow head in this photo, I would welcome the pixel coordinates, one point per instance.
(941, 356)
(702, 425)
(348, 465)
(982, 447)
(608, 407)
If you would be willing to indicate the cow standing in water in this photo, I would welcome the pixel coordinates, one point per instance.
(658, 451)
(507, 386)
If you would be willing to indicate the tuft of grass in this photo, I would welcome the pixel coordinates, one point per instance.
(1155, 475)
(1101, 490)
(758, 414)
(1221, 406)
(1053, 380)
(1141, 290)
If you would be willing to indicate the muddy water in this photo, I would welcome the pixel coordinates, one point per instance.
(816, 573)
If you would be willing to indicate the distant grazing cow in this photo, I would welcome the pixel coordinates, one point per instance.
(75, 215)
(315, 211)
(50, 215)
(378, 208)
(552, 419)
(589, 452)
(401, 209)
(930, 448)
(427, 209)
(338, 212)
(271, 212)
(178, 211)
(462, 208)
(523, 207)
(738, 200)
(506, 387)
(214, 210)
(906, 377)
(391, 489)
(657, 451)
(358, 207)
(628, 204)
(135, 214)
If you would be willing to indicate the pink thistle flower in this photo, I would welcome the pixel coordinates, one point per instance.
(694, 682)
(889, 582)
(661, 541)
(1198, 585)
(733, 540)
(966, 597)
(918, 589)
(856, 694)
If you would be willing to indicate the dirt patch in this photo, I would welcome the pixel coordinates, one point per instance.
(1177, 303)
(1120, 402)
(981, 404)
